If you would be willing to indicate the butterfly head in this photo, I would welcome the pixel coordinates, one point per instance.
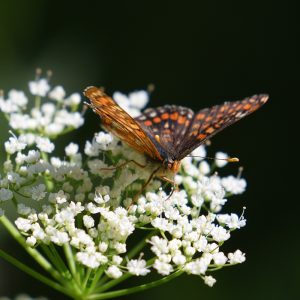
(172, 165)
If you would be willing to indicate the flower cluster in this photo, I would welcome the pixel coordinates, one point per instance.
(85, 202)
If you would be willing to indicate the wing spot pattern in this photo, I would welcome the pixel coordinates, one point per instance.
(165, 116)
(148, 123)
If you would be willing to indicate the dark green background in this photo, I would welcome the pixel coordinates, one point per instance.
(197, 54)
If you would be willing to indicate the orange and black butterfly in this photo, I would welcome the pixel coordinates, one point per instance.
(169, 133)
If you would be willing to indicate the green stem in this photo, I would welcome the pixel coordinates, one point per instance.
(86, 278)
(37, 102)
(70, 260)
(31, 251)
(96, 278)
(113, 282)
(34, 273)
(49, 183)
(135, 289)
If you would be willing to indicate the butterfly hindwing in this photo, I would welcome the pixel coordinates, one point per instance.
(167, 124)
(209, 121)
(120, 123)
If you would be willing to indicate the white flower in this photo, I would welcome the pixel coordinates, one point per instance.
(32, 157)
(113, 272)
(31, 241)
(44, 144)
(234, 185)
(117, 260)
(138, 99)
(209, 280)
(199, 153)
(92, 259)
(5, 195)
(219, 258)
(39, 87)
(23, 224)
(60, 197)
(220, 234)
(133, 103)
(237, 257)
(204, 167)
(232, 221)
(71, 149)
(88, 221)
(73, 99)
(18, 98)
(220, 159)
(197, 266)
(179, 259)
(58, 93)
(137, 267)
(162, 268)
(38, 192)
(159, 245)
(103, 140)
(14, 145)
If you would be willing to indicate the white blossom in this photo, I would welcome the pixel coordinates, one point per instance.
(5, 195)
(14, 145)
(44, 144)
(113, 272)
(162, 268)
(39, 87)
(137, 267)
(71, 149)
(18, 98)
(234, 185)
(38, 192)
(58, 93)
(220, 159)
(209, 280)
(237, 257)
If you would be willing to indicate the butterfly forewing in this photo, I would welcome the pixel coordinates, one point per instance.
(120, 123)
(209, 121)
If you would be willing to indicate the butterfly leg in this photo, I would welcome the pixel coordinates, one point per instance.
(172, 182)
(123, 165)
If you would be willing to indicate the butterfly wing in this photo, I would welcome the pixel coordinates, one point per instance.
(168, 125)
(120, 123)
(209, 121)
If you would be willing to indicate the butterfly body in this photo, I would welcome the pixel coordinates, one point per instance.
(169, 133)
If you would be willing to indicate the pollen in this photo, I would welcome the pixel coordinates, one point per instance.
(157, 120)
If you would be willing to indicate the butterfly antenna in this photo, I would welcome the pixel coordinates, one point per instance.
(228, 159)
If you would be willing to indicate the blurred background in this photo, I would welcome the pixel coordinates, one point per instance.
(197, 54)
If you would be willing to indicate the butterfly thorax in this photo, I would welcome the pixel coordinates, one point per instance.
(172, 165)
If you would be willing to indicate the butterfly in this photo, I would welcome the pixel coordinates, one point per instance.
(169, 133)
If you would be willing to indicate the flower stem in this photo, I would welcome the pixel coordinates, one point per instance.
(49, 183)
(31, 251)
(34, 273)
(135, 289)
